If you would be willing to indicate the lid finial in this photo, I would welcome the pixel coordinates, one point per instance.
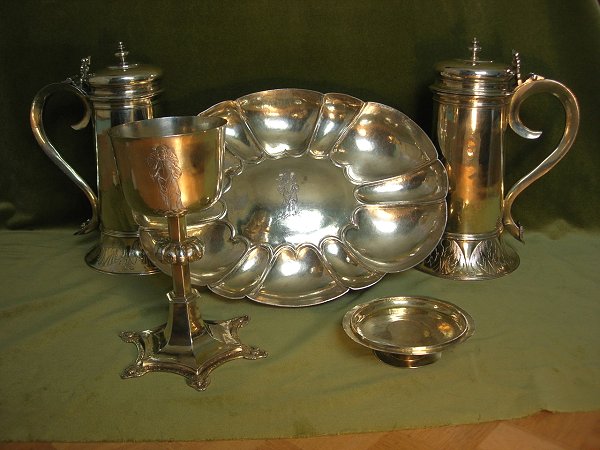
(84, 70)
(122, 54)
(517, 66)
(475, 49)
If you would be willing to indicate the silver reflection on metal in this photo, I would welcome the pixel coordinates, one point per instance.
(165, 170)
(322, 193)
(475, 100)
(117, 94)
(408, 331)
(169, 167)
(179, 252)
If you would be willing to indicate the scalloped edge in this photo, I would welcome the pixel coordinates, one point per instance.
(254, 294)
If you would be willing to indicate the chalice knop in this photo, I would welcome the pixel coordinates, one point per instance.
(169, 167)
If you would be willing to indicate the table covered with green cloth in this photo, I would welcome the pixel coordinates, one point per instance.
(536, 347)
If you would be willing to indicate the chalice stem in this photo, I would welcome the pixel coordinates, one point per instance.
(184, 320)
(182, 284)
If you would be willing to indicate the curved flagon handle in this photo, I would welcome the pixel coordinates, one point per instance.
(535, 85)
(37, 126)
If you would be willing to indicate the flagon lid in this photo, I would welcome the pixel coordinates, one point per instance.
(124, 80)
(474, 76)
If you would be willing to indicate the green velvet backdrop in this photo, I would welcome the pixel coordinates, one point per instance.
(215, 50)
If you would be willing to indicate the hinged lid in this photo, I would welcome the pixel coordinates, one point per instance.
(474, 76)
(124, 80)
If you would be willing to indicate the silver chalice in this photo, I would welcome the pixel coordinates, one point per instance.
(169, 167)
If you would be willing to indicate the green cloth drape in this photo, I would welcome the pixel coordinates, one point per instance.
(536, 346)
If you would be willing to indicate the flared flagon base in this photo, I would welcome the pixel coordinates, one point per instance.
(471, 257)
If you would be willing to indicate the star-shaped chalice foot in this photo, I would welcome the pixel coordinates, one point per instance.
(192, 352)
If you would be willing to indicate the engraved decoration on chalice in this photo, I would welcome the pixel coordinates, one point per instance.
(170, 167)
(322, 193)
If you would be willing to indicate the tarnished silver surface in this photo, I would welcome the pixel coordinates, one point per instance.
(118, 94)
(168, 167)
(475, 101)
(323, 193)
(408, 331)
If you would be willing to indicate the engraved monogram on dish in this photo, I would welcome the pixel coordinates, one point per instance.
(288, 187)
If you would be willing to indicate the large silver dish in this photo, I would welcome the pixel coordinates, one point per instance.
(323, 193)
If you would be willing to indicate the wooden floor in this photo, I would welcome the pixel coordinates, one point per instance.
(542, 431)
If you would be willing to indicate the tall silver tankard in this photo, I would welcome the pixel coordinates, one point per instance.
(124, 92)
(474, 101)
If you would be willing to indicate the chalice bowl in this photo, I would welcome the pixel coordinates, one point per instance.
(169, 167)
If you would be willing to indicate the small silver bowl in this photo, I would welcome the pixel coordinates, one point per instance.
(408, 331)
